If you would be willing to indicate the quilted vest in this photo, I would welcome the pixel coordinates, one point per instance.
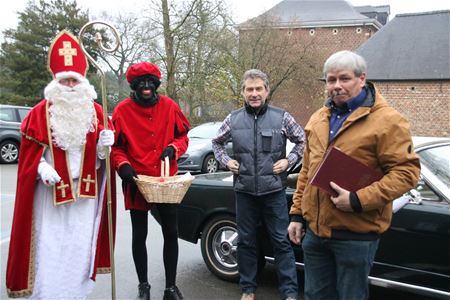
(258, 142)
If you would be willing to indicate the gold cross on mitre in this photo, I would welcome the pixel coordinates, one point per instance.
(63, 187)
(68, 52)
(66, 55)
(88, 182)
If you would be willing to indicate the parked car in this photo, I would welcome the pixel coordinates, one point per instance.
(11, 117)
(413, 255)
(199, 156)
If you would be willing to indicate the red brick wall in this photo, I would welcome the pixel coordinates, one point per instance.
(301, 99)
(327, 40)
(426, 104)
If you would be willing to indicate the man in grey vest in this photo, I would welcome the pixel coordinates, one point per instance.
(259, 133)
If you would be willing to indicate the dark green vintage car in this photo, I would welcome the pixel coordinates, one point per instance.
(413, 255)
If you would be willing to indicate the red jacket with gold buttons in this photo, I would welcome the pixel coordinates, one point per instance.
(142, 134)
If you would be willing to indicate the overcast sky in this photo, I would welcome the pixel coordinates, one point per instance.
(240, 9)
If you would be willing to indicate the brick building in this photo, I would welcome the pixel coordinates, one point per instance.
(409, 61)
(408, 58)
(326, 26)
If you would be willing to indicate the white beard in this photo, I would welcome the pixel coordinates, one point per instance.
(71, 113)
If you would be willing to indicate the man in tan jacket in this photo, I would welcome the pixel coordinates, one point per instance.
(341, 233)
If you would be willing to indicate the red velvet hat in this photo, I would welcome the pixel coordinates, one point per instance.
(65, 57)
(143, 68)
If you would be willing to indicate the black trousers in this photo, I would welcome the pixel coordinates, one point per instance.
(169, 227)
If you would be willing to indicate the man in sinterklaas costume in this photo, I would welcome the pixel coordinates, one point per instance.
(59, 238)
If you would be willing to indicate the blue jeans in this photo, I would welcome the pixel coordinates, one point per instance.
(250, 212)
(337, 269)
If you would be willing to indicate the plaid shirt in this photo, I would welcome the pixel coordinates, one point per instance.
(291, 130)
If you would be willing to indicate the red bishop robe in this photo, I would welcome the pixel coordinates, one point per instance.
(36, 137)
(142, 134)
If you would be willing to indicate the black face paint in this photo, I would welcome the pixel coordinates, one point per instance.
(144, 90)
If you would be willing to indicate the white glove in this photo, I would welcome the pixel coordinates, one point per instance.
(106, 138)
(48, 175)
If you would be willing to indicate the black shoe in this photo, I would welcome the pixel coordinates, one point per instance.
(172, 293)
(144, 291)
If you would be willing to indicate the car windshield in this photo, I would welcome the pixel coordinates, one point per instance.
(437, 159)
(205, 131)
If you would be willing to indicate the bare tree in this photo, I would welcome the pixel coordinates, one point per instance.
(191, 47)
(203, 61)
(289, 57)
(203, 56)
(173, 35)
(134, 47)
(282, 53)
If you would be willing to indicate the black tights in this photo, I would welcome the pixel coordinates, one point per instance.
(169, 226)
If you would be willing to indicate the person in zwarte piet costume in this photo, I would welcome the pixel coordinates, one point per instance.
(59, 238)
(149, 127)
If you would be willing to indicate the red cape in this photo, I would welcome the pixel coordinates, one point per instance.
(20, 268)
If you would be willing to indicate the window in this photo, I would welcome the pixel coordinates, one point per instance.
(437, 160)
(312, 32)
(335, 31)
(23, 113)
(7, 114)
(204, 131)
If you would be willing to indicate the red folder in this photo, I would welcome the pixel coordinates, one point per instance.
(345, 171)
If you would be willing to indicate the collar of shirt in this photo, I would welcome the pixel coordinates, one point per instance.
(340, 114)
(352, 104)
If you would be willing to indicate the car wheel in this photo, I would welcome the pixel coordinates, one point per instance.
(9, 152)
(210, 164)
(219, 244)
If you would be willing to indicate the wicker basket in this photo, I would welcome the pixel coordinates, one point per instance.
(164, 189)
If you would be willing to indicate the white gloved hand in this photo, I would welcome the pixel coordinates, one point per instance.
(106, 138)
(48, 174)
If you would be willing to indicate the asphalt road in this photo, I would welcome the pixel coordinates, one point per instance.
(194, 279)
